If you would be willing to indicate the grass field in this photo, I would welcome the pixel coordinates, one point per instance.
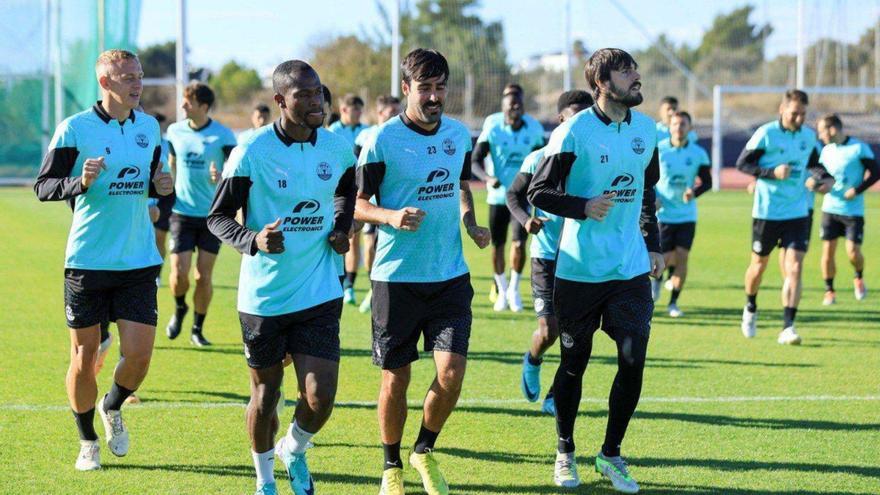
(719, 414)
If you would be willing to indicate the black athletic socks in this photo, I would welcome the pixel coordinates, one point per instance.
(116, 397)
(859, 274)
(674, 298)
(535, 361)
(752, 303)
(829, 285)
(198, 321)
(788, 316)
(349, 280)
(85, 423)
(425, 440)
(392, 455)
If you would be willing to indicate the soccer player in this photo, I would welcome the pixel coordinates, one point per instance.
(780, 154)
(847, 159)
(387, 106)
(599, 172)
(105, 161)
(668, 108)
(295, 181)
(259, 117)
(198, 146)
(544, 228)
(350, 127)
(418, 167)
(507, 140)
(682, 161)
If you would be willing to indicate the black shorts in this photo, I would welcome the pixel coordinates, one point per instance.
(402, 311)
(312, 331)
(787, 234)
(809, 227)
(189, 233)
(92, 297)
(677, 235)
(834, 226)
(165, 204)
(543, 281)
(499, 219)
(622, 308)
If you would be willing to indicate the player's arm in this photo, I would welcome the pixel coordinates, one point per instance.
(344, 201)
(480, 235)
(478, 164)
(648, 219)
(231, 195)
(517, 200)
(704, 173)
(53, 181)
(747, 163)
(162, 184)
(873, 174)
(821, 179)
(547, 188)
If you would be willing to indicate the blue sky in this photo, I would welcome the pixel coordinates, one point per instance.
(263, 32)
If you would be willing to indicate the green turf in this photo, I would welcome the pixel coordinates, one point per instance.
(189, 435)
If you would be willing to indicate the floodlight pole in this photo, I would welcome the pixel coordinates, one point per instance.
(801, 46)
(566, 47)
(395, 50)
(717, 122)
(181, 69)
(47, 71)
(59, 83)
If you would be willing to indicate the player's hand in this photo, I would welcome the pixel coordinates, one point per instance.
(339, 241)
(154, 214)
(824, 187)
(164, 182)
(688, 195)
(357, 226)
(598, 207)
(493, 182)
(658, 264)
(535, 224)
(782, 172)
(92, 167)
(850, 193)
(751, 187)
(480, 235)
(215, 176)
(270, 239)
(408, 219)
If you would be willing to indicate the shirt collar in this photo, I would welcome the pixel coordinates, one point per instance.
(104, 116)
(202, 128)
(287, 140)
(606, 119)
(783, 129)
(416, 128)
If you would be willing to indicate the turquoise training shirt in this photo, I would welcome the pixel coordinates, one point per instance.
(111, 228)
(406, 165)
(310, 187)
(508, 148)
(194, 151)
(847, 162)
(679, 168)
(587, 156)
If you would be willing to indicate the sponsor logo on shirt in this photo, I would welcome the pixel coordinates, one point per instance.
(324, 171)
(437, 186)
(304, 218)
(141, 140)
(621, 185)
(127, 183)
(194, 160)
(448, 147)
(638, 145)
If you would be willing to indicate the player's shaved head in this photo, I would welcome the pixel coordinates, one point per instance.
(290, 74)
(577, 97)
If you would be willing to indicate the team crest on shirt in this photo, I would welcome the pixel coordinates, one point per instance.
(141, 140)
(567, 341)
(638, 145)
(803, 146)
(688, 162)
(324, 171)
(448, 147)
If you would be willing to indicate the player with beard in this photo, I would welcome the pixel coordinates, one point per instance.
(295, 182)
(781, 154)
(418, 167)
(544, 228)
(599, 172)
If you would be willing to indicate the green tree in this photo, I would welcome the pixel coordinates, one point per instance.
(732, 45)
(159, 60)
(348, 65)
(235, 83)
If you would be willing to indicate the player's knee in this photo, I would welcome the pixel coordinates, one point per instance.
(264, 400)
(548, 330)
(321, 401)
(574, 364)
(395, 382)
(140, 359)
(451, 377)
(84, 358)
(203, 279)
(632, 353)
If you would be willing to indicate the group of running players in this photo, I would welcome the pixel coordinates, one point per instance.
(291, 197)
